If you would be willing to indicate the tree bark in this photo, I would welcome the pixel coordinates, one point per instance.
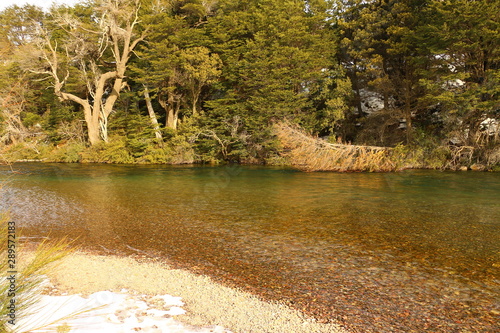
(172, 110)
(195, 111)
(171, 106)
(195, 92)
(152, 115)
(353, 75)
(409, 125)
(93, 131)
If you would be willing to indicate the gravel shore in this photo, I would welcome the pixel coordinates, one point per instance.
(206, 302)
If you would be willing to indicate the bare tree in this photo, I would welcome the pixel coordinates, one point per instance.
(100, 51)
(12, 103)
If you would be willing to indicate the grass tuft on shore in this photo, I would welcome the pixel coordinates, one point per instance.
(21, 282)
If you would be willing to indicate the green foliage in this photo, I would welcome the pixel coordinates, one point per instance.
(27, 151)
(181, 151)
(412, 157)
(407, 157)
(20, 23)
(274, 55)
(31, 119)
(177, 150)
(68, 153)
(464, 41)
(219, 74)
(437, 158)
(155, 155)
(54, 117)
(114, 151)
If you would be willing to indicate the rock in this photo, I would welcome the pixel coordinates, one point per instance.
(477, 167)
(463, 168)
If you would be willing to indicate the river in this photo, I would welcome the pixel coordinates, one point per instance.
(379, 252)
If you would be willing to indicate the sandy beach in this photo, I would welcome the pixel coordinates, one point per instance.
(199, 304)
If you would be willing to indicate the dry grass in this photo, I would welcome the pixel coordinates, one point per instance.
(312, 154)
(28, 275)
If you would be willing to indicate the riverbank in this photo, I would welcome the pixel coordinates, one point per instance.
(293, 147)
(207, 304)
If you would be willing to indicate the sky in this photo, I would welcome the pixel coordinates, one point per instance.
(41, 3)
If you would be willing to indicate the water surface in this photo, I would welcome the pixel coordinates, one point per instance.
(397, 252)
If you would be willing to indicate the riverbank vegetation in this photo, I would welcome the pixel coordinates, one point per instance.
(384, 85)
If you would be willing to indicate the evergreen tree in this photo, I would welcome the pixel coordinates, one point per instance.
(464, 80)
(176, 64)
(382, 55)
(277, 58)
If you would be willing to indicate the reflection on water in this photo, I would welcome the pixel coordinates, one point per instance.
(380, 252)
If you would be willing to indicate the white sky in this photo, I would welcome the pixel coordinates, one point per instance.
(41, 3)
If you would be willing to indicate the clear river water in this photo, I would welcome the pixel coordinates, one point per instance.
(379, 252)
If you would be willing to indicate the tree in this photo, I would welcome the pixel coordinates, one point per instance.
(151, 112)
(464, 80)
(355, 24)
(383, 57)
(277, 56)
(12, 104)
(96, 48)
(199, 68)
(18, 26)
(176, 64)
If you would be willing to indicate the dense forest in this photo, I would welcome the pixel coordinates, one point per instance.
(210, 81)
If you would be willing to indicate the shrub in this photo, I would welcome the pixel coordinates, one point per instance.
(155, 155)
(31, 119)
(407, 157)
(438, 158)
(182, 151)
(26, 151)
(69, 153)
(114, 151)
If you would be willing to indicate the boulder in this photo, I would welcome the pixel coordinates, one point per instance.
(477, 167)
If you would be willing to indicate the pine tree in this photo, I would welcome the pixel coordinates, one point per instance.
(464, 38)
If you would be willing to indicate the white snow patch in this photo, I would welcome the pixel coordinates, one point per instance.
(371, 101)
(109, 312)
(490, 125)
(453, 84)
(176, 311)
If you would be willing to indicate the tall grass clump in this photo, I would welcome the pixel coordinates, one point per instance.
(30, 275)
(312, 154)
